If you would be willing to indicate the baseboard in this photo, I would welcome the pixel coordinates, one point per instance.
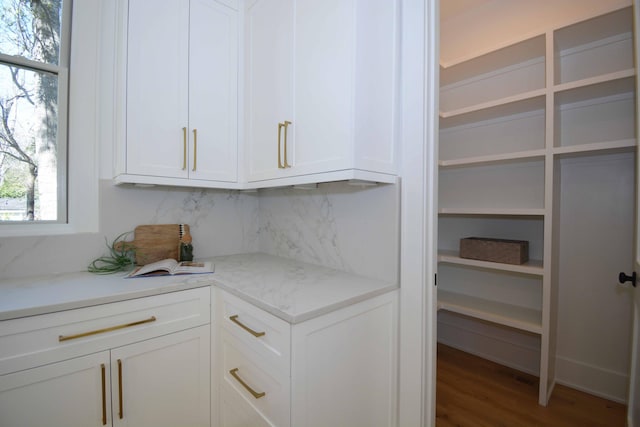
(592, 379)
(520, 351)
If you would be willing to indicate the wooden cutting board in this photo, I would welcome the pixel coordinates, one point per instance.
(156, 242)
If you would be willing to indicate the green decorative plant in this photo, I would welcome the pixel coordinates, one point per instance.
(121, 256)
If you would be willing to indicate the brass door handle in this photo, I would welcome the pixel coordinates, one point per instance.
(62, 338)
(195, 148)
(286, 125)
(235, 320)
(104, 395)
(184, 148)
(280, 165)
(120, 408)
(257, 395)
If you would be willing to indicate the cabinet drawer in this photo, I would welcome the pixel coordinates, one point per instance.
(236, 412)
(37, 340)
(266, 335)
(246, 377)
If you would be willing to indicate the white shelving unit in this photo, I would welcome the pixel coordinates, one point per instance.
(508, 118)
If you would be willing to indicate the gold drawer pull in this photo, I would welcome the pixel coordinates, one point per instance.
(109, 329)
(234, 374)
(235, 320)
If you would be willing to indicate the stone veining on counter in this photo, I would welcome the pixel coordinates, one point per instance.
(46, 294)
(291, 290)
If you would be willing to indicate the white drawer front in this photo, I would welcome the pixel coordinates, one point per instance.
(266, 335)
(265, 389)
(37, 340)
(236, 412)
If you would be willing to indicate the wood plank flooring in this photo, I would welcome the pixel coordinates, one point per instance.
(476, 392)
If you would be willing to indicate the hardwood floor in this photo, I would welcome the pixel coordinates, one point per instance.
(475, 392)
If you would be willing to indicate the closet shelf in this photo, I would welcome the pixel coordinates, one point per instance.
(522, 318)
(492, 211)
(597, 147)
(507, 101)
(593, 81)
(533, 267)
(496, 158)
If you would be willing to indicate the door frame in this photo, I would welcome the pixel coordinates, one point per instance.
(633, 404)
(418, 229)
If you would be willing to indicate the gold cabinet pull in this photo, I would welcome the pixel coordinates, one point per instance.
(286, 125)
(104, 395)
(280, 165)
(184, 148)
(195, 148)
(120, 408)
(234, 374)
(102, 331)
(235, 320)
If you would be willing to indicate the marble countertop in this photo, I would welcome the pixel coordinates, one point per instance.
(290, 290)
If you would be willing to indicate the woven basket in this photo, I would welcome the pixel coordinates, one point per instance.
(495, 250)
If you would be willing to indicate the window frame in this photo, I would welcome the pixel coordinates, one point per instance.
(78, 77)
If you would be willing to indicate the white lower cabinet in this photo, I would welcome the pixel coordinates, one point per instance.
(139, 371)
(163, 381)
(338, 369)
(71, 393)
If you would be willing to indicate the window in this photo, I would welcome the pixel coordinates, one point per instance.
(34, 70)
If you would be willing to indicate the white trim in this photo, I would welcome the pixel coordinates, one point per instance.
(592, 379)
(82, 162)
(419, 106)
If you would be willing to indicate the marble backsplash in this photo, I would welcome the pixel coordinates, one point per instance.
(337, 225)
(221, 222)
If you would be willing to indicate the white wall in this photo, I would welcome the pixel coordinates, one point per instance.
(596, 243)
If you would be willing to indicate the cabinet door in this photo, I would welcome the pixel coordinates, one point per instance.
(213, 92)
(344, 366)
(72, 393)
(324, 60)
(164, 381)
(157, 88)
(269, 50)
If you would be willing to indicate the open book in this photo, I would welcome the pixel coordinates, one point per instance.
(169, 267)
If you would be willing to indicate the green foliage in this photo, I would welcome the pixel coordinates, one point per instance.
(120, 257)
(13, 185)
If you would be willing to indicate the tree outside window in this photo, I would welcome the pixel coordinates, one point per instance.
(33, 72)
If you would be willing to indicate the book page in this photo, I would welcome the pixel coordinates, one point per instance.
(168, 265)
(192, 267)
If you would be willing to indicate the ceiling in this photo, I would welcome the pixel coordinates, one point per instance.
(450, 8)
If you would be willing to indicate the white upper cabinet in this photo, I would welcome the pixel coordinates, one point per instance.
(269, 86)
(320, 91)
(281, 92)
(181, 93)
